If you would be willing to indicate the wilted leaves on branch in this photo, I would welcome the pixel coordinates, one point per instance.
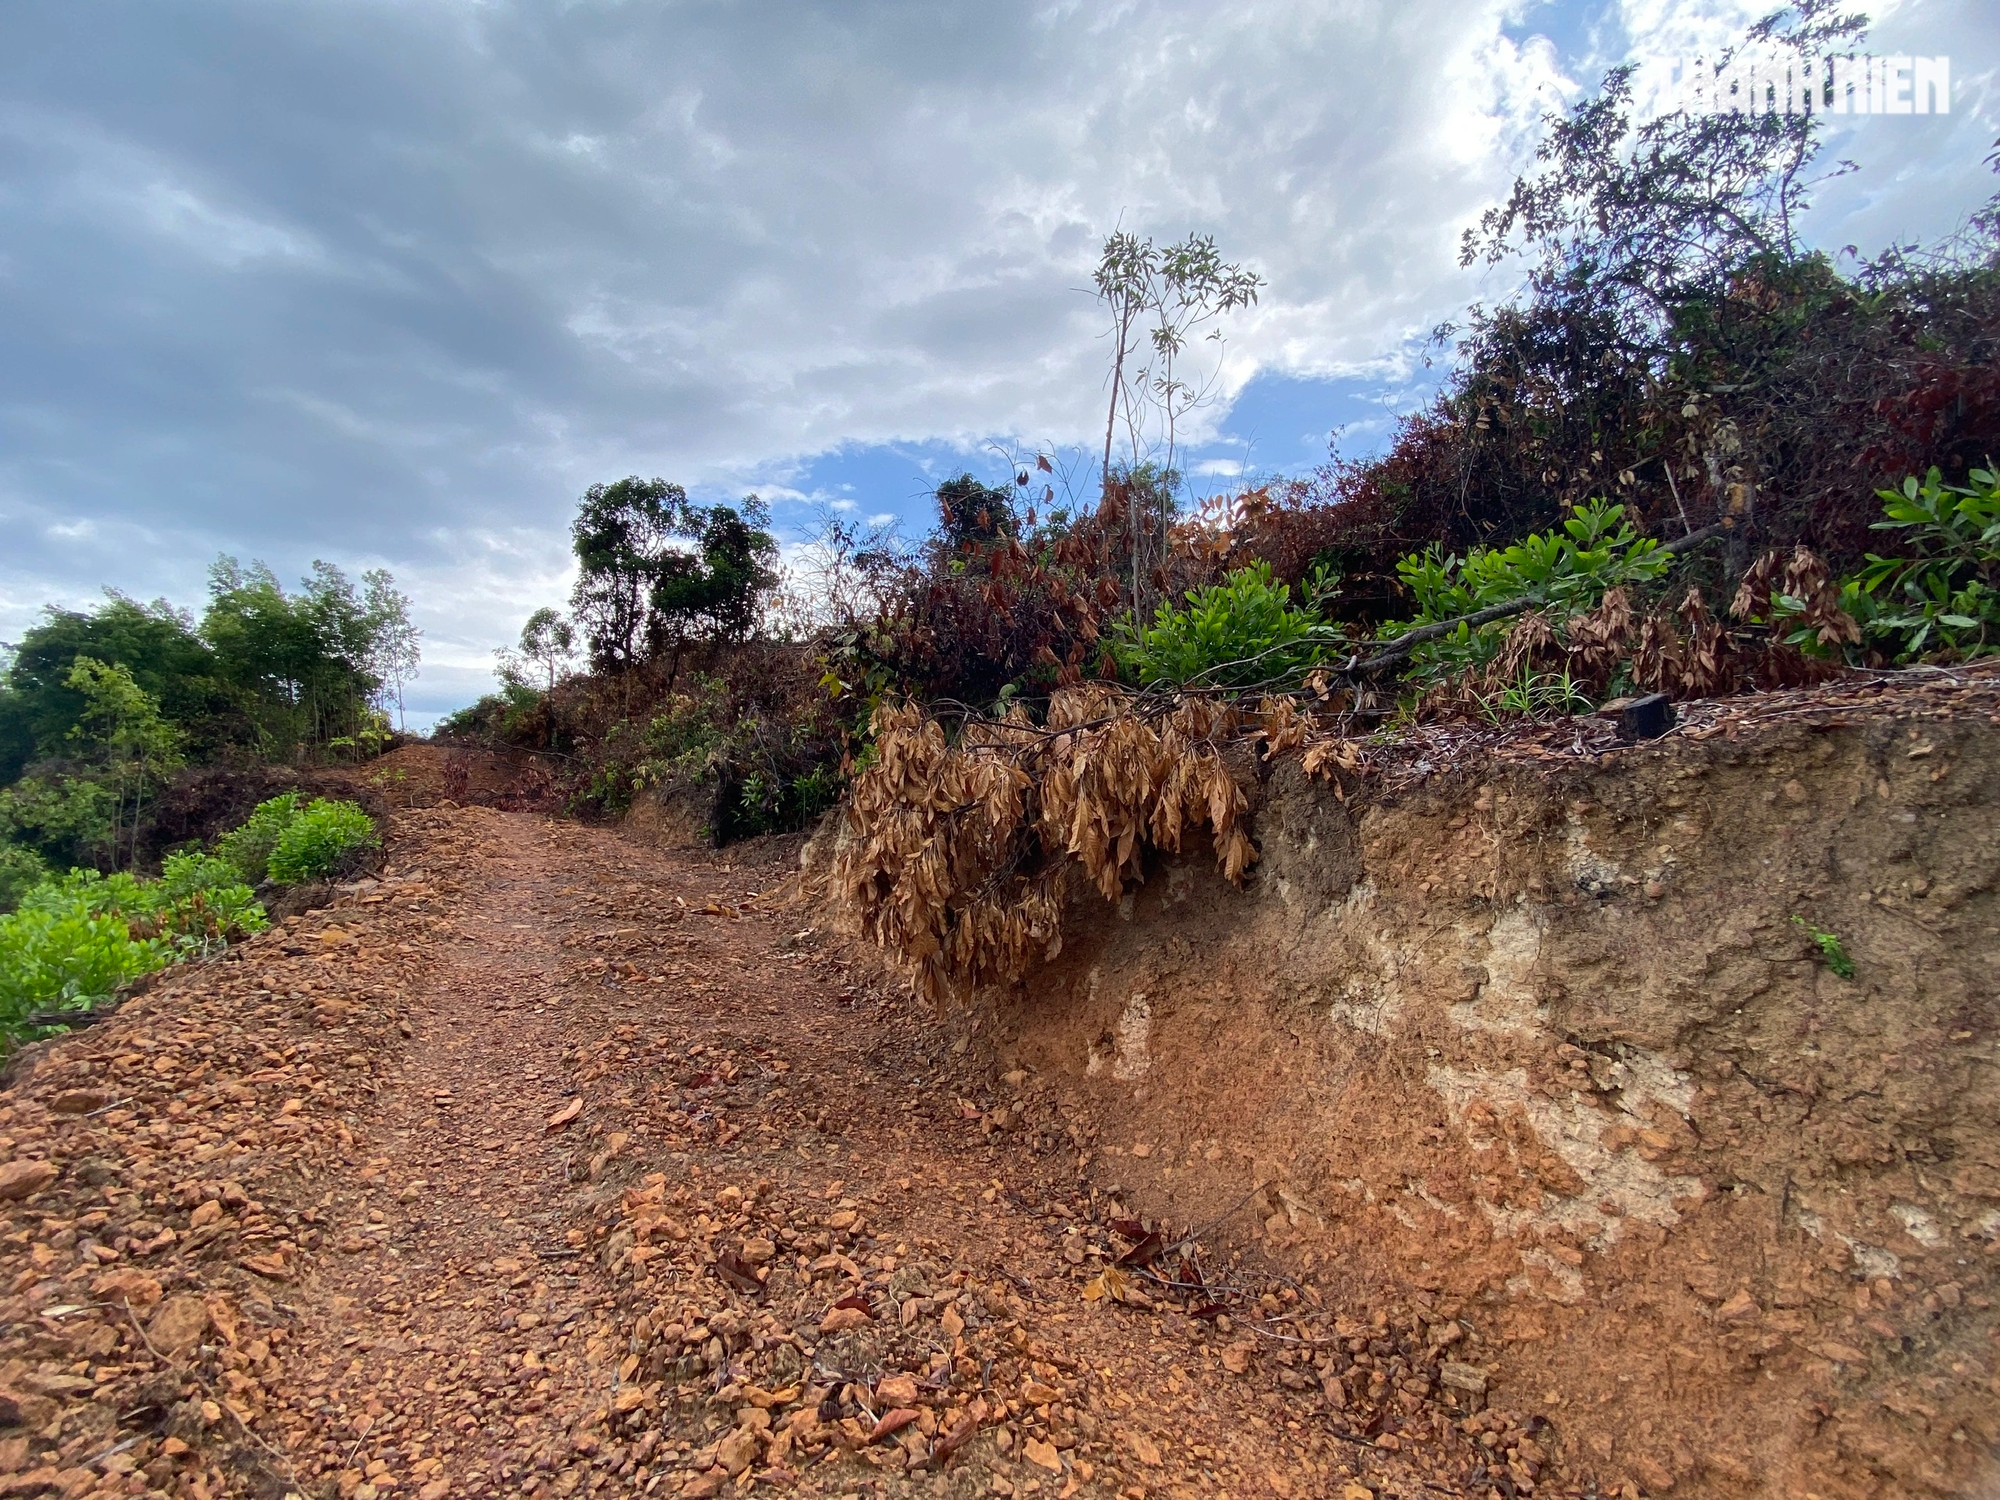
(959, 855)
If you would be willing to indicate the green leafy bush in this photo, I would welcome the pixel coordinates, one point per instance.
(64, 819)
(74, 941)
(203, 901)
(505, 715)
(1239, 633)
(196, 905)
(694, 730)
(57, 953)
(764, 805)
(248, 848)
(21, 870)
(1565, 572)
(769, 772)
(321, 842)
(1941, 592)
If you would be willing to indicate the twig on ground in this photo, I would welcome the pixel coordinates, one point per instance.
(362, 1437)
(283, 1462)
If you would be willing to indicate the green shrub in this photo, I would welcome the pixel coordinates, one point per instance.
(766, 805)
(1238, 633)
(685, 742)
(249, 847)
(204, 902)
(74, 941)
(323, 841)
(66, 820)
(1565, 572)
(196, 905)
(59, 953)
(21, 870)
(1942, 591)
(504, 715)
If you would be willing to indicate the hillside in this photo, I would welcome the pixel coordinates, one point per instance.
(553, 1161)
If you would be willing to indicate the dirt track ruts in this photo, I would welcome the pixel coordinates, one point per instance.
(557, 1164)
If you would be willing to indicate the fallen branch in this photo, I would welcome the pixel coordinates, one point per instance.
(1403, 645)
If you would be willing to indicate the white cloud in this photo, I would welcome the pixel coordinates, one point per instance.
(435, 268)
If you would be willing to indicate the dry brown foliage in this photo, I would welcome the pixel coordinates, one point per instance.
(961, 854)
(1684, 652)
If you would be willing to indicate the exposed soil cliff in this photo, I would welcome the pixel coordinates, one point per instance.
(1542, 1049)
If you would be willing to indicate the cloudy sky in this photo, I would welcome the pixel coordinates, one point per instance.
(390, 282)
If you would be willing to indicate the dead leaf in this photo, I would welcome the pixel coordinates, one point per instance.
(567, 1113)
(1145, 1252)
(737, 1271)
(962, 1430)
(893, 1422)
(1110, 1282)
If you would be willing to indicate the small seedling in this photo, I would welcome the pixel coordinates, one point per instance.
(1829, 948)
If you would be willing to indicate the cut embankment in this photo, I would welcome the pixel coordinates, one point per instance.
(1568, 1051)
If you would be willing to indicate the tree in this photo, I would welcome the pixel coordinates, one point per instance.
(62, 821)
(1125, 272)
(155, 642)
(1181, 288)
(341, 681)
(121, 722)
(971, 515)
(304, 665)
(714, 594)
(1652, 217)
(398, 648)
(1193, 288)
(640, 591)
(550, 640)
(624, 537)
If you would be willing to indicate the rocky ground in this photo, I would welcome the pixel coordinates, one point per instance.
(550, 1164)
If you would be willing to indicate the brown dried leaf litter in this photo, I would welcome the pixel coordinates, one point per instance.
(962, 855)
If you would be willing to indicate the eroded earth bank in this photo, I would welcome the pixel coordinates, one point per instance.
(1544, 1051)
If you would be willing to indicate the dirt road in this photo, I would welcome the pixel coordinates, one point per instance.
(554, 1164)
